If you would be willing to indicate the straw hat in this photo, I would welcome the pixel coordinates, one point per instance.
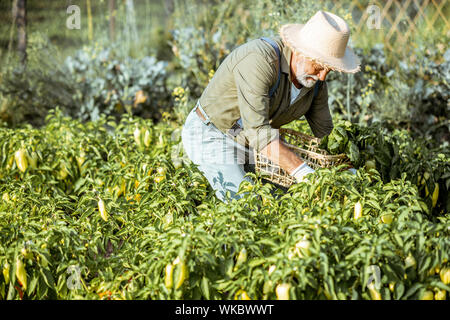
(323, 39)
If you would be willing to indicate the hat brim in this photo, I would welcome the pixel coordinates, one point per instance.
(349, 63)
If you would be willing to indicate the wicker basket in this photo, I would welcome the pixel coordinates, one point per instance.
(307, 148)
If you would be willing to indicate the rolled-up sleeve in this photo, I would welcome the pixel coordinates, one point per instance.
(318, 116)
(254, 76)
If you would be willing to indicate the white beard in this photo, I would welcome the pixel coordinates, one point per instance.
(302, 76)
(308, 83)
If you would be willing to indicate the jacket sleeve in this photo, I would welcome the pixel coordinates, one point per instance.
(253, 76)
(318, 115)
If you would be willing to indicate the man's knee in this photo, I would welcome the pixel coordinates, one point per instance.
(224, 179)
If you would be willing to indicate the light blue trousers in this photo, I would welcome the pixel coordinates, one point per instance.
(218, 156)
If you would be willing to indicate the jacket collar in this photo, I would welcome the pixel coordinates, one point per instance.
(286, 54)
(286, 60)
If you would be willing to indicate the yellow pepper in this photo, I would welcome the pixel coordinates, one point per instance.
(445, 275)
(21, 159)
(102, 210)
(168, 280)
(182, 274)
(374, 294)
(282, 291)
(435, 195)
(357, 211)
(242, 257)
(137, 136)
(410, 261)
(440, 295)
(392, 286)
(387, 218)
(6, 272)
(427, 295)
(21, 273)
(147, 138)
(81, 158)
(302, 248)
(27, 254)
(5, 197)
(241, 295)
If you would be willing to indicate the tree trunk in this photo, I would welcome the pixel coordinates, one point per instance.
(112, 19)
(13, 26)
(20, 10)
(169, 6)
(90, 27)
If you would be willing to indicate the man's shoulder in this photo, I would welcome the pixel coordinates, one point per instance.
(260, 47)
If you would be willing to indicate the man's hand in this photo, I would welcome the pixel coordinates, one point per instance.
(302, 171)
(280, 154)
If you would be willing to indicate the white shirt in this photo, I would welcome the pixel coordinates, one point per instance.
(294, 92)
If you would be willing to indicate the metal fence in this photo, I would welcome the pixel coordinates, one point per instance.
(396, 22)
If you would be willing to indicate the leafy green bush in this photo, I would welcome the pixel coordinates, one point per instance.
(411, 93)
(95, 80)
(28, 92)
(393, 153)
(428, 74)
(111, 84)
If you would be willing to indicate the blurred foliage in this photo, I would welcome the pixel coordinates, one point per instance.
(95, 80)
(27, 93)
(412, 94)
(49, 17)
(112, 84)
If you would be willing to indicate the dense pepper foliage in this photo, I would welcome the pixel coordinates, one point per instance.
(107, 210)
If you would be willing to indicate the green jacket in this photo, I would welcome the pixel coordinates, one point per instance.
(240, 89)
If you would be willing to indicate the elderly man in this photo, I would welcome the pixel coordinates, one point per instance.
(260, 86)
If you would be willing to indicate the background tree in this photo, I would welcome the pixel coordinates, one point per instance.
(19, 13)
(169, 6)
(90, 27)
(112, 19)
